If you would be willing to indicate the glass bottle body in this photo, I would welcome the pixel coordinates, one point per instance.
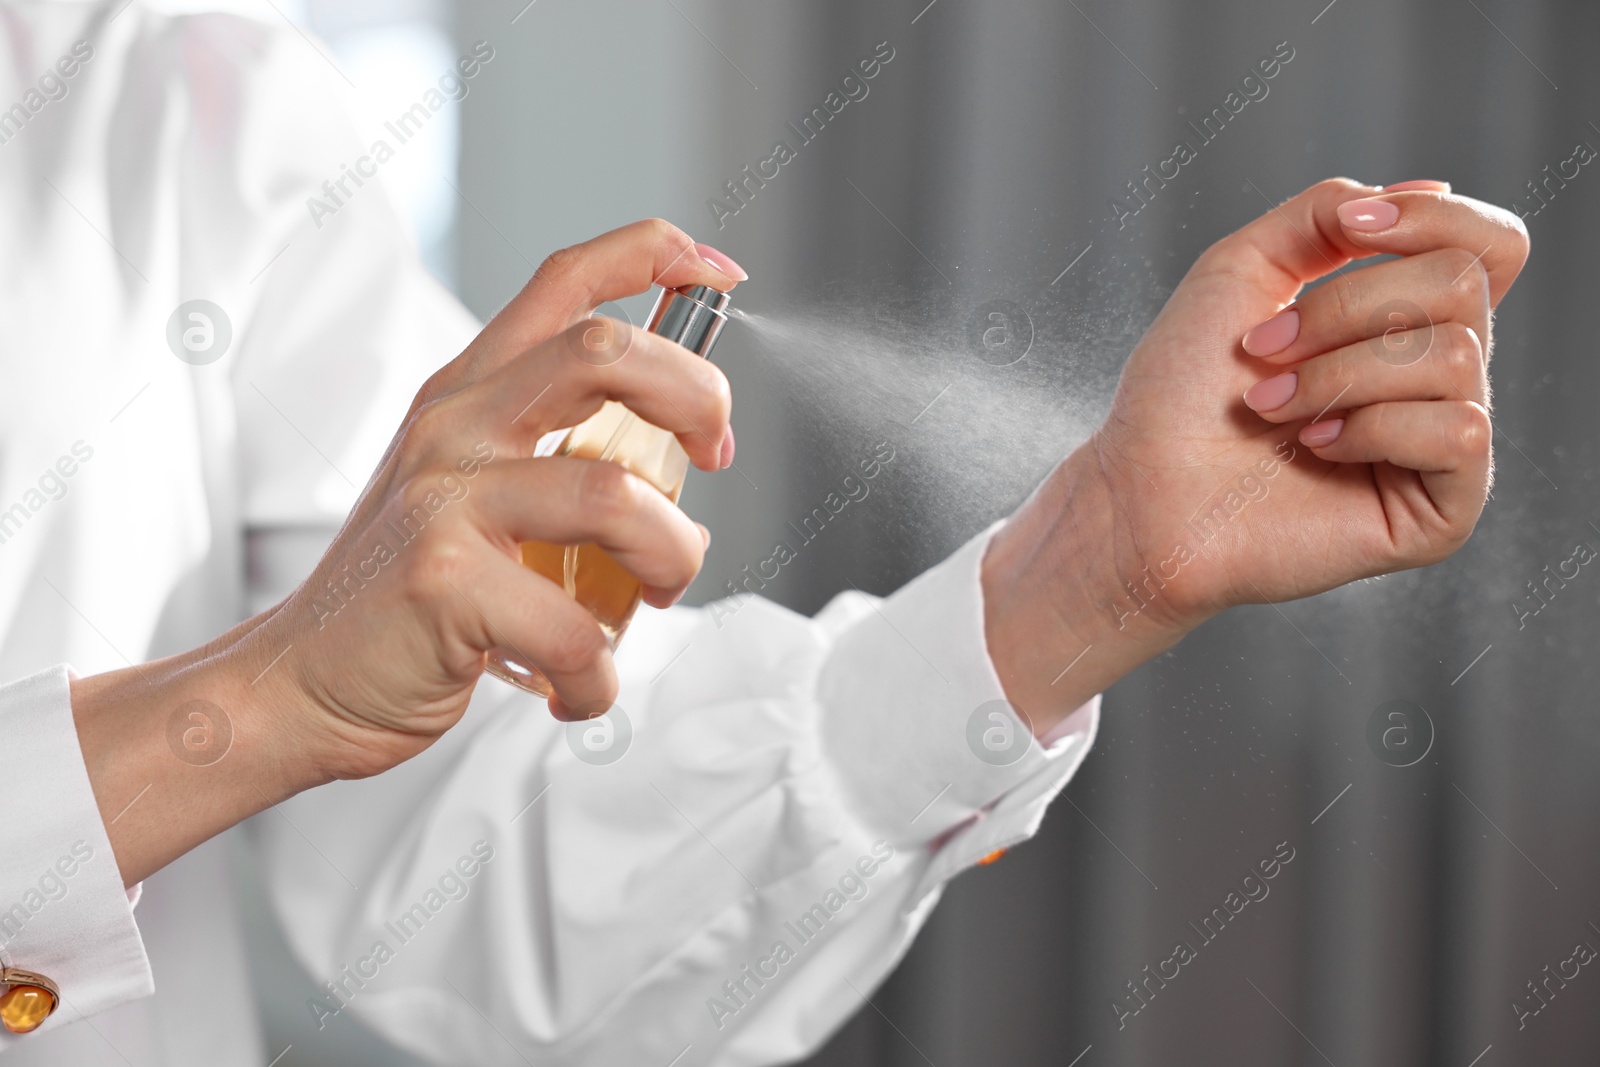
(587, 572)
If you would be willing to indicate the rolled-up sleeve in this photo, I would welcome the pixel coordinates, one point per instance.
(65, 912)
(720, 874)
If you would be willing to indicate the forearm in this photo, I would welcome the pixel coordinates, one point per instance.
(180, 749)
(1059, 616)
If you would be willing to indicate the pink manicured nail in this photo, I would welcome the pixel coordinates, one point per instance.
(1368, 216)
(1274, 335)
(1322, 433)
(727, 449)
(722, 262)
(1272, 393)
(1425, 185)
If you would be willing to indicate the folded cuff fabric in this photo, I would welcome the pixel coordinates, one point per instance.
(64, 912)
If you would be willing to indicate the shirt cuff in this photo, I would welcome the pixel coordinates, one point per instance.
(63, 910)
(914, 718)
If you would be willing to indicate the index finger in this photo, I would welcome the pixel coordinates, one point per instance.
(567, 379)
(573, 282)
(1413, 221)
(1305, 238)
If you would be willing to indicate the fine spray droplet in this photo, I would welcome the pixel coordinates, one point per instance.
(904, 379)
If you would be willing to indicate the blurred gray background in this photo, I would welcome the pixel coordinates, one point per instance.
(1422, 899)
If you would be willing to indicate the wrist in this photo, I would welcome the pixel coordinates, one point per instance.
(179, 749)
(1071, 605)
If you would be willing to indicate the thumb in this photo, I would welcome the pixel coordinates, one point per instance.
(571, 283)
(1250, 275)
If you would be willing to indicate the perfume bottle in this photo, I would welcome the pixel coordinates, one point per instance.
(693, 317)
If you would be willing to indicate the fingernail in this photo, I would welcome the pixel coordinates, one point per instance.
(721, 262)
(1368, 216)
(1322, 433)
(727, 449)
(705, 534)
(1274, 335)
(1429, 186)
(1272, 393)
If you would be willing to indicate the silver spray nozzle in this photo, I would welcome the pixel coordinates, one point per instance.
(692, 316)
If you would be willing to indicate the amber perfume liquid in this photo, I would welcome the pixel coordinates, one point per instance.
(694, 318)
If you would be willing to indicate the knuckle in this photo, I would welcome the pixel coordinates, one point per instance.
(715, 387)
(424, 495)
(1521, 243)
(575, 646)
(434, 569)
(1336, 187)
(1456, 346)
(558, 267)
(414, 490)
(598, 340)
(1376, 422)
(607, 492)
(1349, 300)
(1473, 431)
(1217, 258)
(682, 554)
(1464, 273)
(1474, 283)
(1453, 259)
(429, 423)
(660, 231)
(664, 236)
(442, 382)
(690, 568)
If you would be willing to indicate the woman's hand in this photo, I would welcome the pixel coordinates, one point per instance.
(391, 631)
(1266, 443)
(378, 652)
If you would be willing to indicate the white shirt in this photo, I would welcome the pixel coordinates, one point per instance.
(794, 794)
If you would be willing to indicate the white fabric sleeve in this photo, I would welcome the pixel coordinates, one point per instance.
(344, 324)
(723, 880)
(63, 910)
(337, 325)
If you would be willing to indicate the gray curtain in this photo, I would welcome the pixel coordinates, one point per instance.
(1420, 899)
